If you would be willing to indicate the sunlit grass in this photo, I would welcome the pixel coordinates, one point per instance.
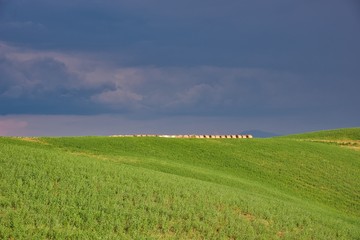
(126, 188)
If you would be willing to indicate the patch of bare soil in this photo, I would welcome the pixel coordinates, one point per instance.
(33, 139)
(352, 144)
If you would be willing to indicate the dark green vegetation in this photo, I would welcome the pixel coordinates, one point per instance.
(156, 188)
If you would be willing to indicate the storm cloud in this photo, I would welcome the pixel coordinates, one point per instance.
(73, 83)
(149, 60)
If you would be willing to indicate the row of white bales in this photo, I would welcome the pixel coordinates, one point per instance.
(186, 136)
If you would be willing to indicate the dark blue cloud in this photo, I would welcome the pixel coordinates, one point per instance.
(249, 33)
(53, 83)
(165, 58)
(43, 85)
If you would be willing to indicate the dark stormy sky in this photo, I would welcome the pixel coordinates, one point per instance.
(95, 67)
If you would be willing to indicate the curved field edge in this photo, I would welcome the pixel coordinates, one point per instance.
(334, 134)
(137, 188)
(346, 137)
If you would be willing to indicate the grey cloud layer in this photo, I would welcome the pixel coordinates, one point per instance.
(76, 82)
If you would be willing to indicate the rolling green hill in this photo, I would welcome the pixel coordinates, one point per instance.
(293, 187)
(336, 134)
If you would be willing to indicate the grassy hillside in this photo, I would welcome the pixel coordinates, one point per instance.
(336, 134)
(155, 188)
(348, 137)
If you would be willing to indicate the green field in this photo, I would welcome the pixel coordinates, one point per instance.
(295, 187)
(337, 134)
